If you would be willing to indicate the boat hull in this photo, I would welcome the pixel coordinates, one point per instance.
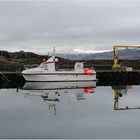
(59, 77)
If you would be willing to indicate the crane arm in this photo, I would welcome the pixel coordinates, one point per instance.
(115, 50)
(127, 108)
(117, 46)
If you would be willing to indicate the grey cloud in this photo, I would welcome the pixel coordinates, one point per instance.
(68, 24)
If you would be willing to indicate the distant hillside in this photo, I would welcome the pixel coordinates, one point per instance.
(123, 54)
(100, 61)
(15, 61)
(73, 56)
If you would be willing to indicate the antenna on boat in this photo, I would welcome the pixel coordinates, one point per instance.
(54, 50)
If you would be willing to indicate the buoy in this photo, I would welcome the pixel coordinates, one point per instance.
(88, 71)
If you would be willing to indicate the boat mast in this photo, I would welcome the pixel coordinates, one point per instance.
(54, 50)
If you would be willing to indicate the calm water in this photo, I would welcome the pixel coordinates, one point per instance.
(70, 111)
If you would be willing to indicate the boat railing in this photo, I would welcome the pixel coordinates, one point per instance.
(64, 69)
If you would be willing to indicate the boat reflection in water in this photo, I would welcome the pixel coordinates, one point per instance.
(119, 92)
(52, 91)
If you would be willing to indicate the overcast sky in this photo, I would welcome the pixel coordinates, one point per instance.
(69, 25)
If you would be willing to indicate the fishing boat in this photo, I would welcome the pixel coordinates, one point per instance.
(46, 71)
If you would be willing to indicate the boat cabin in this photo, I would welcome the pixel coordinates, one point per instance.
(50, 65)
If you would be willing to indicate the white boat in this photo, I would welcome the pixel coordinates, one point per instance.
(46, 71)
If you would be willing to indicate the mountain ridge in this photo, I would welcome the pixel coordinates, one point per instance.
(122, 54)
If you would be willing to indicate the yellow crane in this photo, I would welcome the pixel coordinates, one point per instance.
(117, 65)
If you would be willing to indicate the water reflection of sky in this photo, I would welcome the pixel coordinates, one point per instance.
(29, 117)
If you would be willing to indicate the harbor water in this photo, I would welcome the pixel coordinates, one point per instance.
(69, 111)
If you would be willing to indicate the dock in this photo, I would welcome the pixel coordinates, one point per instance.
(11, 77)
(118, 75)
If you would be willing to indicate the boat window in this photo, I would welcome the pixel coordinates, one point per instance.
(45, 66)
(41, 66)
(79, 66)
